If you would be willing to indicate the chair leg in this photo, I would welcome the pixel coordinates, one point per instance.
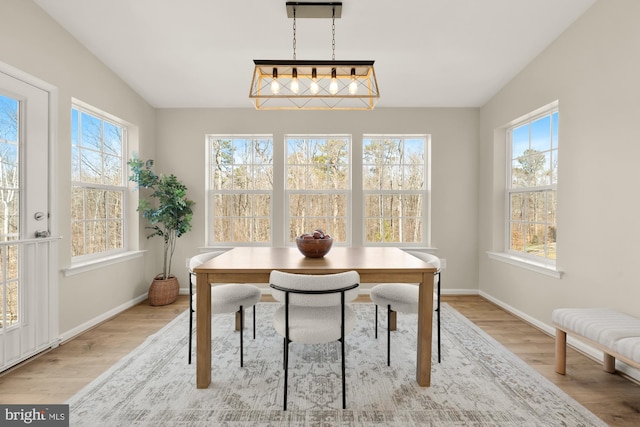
(254, 322)
(344, 383)
(439, 343)
(376, 322)
(190, 329)
(286, 372)
(241, 311)
(389, 335)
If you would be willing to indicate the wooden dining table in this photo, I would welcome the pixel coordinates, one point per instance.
(254, 264)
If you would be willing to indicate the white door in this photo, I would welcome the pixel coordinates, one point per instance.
(28, 292)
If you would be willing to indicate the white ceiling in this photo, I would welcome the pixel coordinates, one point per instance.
(428, 53)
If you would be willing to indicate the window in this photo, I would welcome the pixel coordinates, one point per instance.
(98, 147)
(394, 188)
(266, 192)
(240, 187)
(318, 185)
(532, 185)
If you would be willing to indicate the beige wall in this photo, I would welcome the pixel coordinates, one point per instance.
(35, 44)
(181, 150)
(593, 70)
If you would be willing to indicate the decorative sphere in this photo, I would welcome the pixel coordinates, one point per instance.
(314, 248)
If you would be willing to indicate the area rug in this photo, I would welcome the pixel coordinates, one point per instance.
(478, 383)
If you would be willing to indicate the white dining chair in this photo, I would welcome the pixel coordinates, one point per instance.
(314, 310)
(403, 298)
(227, 298)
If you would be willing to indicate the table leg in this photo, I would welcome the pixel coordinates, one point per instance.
(425, 325)
(203, 319)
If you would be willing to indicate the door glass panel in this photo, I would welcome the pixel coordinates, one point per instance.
(9, 213)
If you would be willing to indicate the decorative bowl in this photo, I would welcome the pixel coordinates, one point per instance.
(314, 248)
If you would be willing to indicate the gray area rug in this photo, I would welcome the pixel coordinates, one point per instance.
(478, 383)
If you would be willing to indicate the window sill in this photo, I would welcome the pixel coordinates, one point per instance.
(83, 267)
(538, 267)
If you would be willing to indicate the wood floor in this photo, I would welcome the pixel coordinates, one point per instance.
(56, 375)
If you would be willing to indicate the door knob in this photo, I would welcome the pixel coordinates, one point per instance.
(42, 234)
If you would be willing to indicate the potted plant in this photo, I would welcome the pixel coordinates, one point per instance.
(168, 212)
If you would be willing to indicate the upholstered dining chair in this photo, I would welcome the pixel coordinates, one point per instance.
(314, 311)
(403, 298)
(229, 298)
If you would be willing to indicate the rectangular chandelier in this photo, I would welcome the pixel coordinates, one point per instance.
(314, 85)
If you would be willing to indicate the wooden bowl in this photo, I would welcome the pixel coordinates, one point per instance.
(314, 248)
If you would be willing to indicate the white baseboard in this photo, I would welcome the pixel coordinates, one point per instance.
(579, 345)
(72, 333)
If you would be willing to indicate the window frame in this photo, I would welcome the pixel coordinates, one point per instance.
(212, 192)
(552, 187)
(348, 192)
(123, 189)
(425, 192)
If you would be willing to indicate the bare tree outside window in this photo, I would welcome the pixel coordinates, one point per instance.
(98, 186)
(318, 185)
(241, 186)
(394, 182)
(9, 210)
(532, 190)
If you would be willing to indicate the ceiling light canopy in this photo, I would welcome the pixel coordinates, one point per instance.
(314, 84)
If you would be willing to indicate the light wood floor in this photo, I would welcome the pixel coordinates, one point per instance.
(56, 375)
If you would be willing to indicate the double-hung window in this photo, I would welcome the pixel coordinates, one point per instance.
(395, 189)
(240, 188)
(532, 186)
(98, 150)
(318, 185)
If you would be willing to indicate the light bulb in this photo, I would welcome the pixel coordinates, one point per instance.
(275, 85)
(295, 86)
(313, 87)
(333, 86)
(353, 86)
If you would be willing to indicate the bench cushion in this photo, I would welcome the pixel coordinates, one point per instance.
(629, 348)
(602, 325)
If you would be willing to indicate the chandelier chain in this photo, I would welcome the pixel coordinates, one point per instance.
(294, 33)
(333, 36)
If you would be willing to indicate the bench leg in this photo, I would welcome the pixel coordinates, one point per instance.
(561, 351)
(609, 363)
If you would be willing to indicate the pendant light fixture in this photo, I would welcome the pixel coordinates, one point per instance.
(314, 85)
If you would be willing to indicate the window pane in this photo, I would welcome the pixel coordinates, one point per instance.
(519, 141)
(112, 139)
(517, 206)
(262, 230)
(77, 241)
(95, 203)
(91, 132)
(517, 237)
(541, 134)
(115, 234)
(77, 204)
(412, 230)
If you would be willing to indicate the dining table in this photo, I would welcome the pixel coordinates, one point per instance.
(254, 264)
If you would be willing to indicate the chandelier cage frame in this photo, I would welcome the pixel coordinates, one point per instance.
(314, 85)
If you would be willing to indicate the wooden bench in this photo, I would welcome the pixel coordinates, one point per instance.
(615, 333)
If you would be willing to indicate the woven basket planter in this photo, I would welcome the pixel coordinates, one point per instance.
(163, 291)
